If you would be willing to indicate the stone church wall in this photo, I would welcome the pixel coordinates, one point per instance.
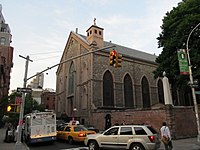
(135, 69)
(181, 120)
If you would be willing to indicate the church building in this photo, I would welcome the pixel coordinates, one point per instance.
(93, 92)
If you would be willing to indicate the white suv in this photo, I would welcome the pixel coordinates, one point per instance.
(132, 137)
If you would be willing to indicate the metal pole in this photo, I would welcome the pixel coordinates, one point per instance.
(192, 88)
(72, 58)
(18, 145)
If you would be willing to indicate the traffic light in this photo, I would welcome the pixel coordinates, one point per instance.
(14, 108)
(9, 108)
(113, 58)
(18, 109)
(118, 60)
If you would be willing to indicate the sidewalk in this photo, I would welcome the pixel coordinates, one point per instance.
(184, 144)
(8, 146)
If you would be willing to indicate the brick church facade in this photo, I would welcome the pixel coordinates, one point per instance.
(94, 92)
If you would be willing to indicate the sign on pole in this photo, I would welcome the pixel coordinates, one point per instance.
(24, 90)
(197, 92)
(183, 62)
(18, 100)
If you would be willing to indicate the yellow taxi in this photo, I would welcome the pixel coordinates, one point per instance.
(73, 133)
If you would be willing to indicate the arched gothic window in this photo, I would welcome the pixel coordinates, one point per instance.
(108, 93)
(160, 91)
(128, 91)
(71, 80)
(145, 93)
(84, 98)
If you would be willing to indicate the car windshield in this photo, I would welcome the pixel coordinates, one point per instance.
(80, 128)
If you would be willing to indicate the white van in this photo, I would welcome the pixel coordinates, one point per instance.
(39, 127)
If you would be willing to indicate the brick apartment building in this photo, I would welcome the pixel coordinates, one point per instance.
(6, 56)
(48, 99)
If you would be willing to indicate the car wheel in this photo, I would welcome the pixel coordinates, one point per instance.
(92, 145)
(71, 141)
(137, 146)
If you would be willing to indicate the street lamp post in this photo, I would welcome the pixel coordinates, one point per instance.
(192, 88)
(18, 145)
(73, 114)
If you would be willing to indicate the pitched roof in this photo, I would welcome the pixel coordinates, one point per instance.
(125, 51)
(129, 52)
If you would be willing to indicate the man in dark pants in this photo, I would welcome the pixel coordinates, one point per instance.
(165, 132)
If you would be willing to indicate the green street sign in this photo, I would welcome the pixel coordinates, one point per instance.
(183, 62)
(197, 92)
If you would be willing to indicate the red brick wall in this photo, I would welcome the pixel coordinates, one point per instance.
(181, 120)
(6, 59)
(185, 122)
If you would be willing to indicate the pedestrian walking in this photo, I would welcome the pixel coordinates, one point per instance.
(123, 123)
(9, 137)
(166, 136)
(16, 133)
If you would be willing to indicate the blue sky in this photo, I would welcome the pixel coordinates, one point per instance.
(40, 28)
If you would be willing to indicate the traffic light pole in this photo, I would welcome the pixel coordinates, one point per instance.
(18, 145)
(192, 88)
(72, 58)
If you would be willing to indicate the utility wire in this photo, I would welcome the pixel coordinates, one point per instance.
(44, 53)
(46, 58)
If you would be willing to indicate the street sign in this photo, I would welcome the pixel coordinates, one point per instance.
(24, 90)
(197, 92)
(193, 85)
(183, 62)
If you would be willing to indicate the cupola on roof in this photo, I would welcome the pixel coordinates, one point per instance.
(95, 35)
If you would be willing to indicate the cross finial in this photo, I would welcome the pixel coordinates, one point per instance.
(95, 21)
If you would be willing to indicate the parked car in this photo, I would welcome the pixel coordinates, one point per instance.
(131, 137)
(59, 123)
(73, 133)
(91, 127)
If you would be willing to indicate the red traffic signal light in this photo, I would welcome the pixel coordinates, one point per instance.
(115, 59)
(112, 58)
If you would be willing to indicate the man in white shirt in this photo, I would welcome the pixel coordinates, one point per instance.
(16, 132)
(165, 132)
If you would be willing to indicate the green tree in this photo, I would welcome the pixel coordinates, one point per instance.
(29, 106)
(177, 25)
(11, 117)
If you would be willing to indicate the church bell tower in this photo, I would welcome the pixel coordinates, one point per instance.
(95, 35)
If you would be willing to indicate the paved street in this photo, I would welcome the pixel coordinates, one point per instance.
(182, 144)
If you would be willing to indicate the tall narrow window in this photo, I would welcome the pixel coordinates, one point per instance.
(2, 41)
(145, 93)
(108, 93)
(71, 80)
(128, 91)
(160, 91)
